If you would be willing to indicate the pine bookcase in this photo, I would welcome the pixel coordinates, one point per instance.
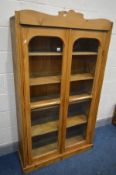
(59, 64)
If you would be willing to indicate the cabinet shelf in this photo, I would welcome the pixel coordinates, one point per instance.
(44, 149)
(49, 102)
(84, 53)
(45, 53)
(74, 140)
(44, 128)
(59, 53)
(82, 76)
(52, 126)
(76, 120)
(57, 79)
(53, 146)
(44, 103)
(44, 80)
(80, 97)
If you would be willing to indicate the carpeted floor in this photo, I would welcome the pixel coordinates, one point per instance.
(101, 160)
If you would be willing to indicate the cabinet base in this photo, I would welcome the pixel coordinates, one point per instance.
(39, 164)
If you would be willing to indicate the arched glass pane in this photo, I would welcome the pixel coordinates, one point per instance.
(45, 65)
(84, 58)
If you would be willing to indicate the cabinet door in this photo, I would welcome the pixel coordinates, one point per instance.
(84, 62)
(44, 59)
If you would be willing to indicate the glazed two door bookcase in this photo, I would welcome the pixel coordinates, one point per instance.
(59, 63)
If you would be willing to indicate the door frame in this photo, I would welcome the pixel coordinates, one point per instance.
(73, 36)
(27, 33)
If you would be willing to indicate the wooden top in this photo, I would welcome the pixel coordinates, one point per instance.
(64, 19)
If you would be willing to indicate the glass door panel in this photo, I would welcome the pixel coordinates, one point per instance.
(77, 122)
(45, 66)
(84, 58)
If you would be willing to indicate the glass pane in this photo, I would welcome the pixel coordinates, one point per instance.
(44, 144)
(44, 130)
(78, 114)
(45, 44)
(45, 56)
(83, 64)
(81, 87)
(75, 135)
(44, 92)
(45, 65)
(84, 58)
(86, 44)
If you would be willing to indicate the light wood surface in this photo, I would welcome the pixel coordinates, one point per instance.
(65, 19)
(44, 103)
(45, 80)
(44, 53)
(73, 140)
(83, 76)
(76, 120)
(79, 97)
(59, 53)
(57, 79)
(44, 149)
(41, 129)
(52, 126)
(84, 53)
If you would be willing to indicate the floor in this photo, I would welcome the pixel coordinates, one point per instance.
(101, 160)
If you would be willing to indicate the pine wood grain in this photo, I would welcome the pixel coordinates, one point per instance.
(57, 79)
(79, 97)
(44, 103)
(70, 19)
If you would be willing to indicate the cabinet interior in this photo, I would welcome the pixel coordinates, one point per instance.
(45, 44)
(44, 115)
(86, 45)
(83, 64)
(81, 87)
(79, 108)
(44, 92)
(44, 144)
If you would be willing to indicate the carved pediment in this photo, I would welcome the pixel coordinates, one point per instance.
(64, 19)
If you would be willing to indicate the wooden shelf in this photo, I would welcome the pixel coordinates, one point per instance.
(76, 120)
(44, 103)
(45, 53)
(84, 53)
(44, 128)
(45, 80)
(83, 76)
(79, 97)
(74, 140)
(52, 126)
(54, 146)
(44, 149)
(57, 79)
(59, 53)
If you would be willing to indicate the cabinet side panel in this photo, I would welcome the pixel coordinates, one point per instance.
(97, 89)
(18, 89)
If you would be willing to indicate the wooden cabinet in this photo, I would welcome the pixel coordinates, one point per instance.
(59, 63)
